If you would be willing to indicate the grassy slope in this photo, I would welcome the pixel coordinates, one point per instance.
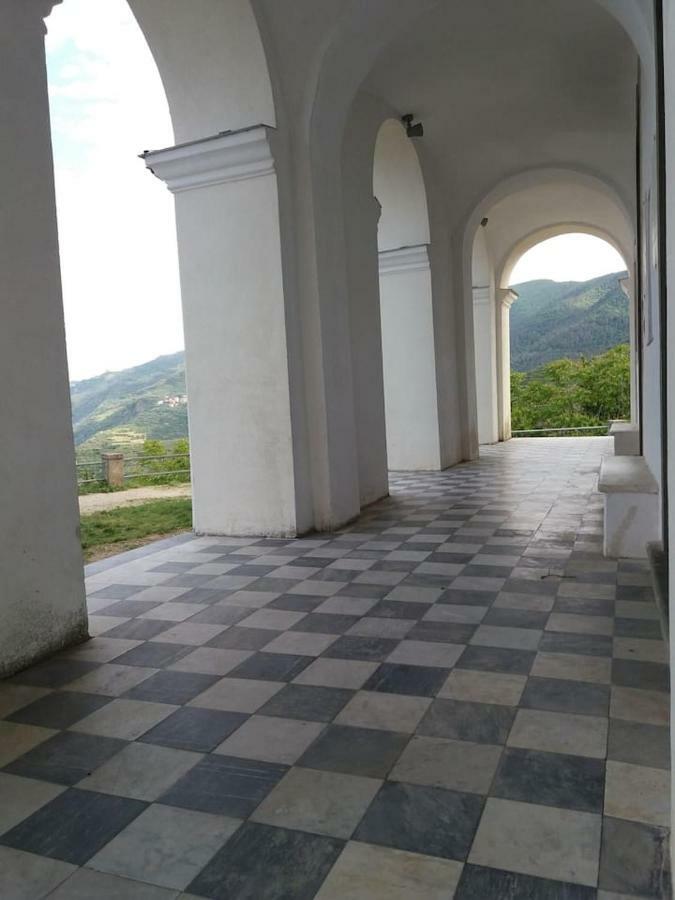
(115, 530)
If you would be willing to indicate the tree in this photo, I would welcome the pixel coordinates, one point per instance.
(571, 393)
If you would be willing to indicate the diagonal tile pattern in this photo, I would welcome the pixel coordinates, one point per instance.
(454, 697)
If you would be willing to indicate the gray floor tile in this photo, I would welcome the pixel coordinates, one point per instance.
(479, 883)
(355, 751)
(551, 779)
(224, 785)
(190, 728)
(560, 733)
(74, 826)
(25, 876)
(188, 840)
(456, 765)
(381, 873)
(140, 771)
(262, 861)
(643, 745)
(483, 723)
(321, 802)
(65, 758)
(635, 859)
(566, 696)
(543, 841)
(271, 739)
(422, 819)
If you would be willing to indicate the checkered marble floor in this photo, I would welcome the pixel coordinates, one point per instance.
(455, 697)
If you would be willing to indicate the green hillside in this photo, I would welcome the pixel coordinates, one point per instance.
(121, 408)
(553, 320)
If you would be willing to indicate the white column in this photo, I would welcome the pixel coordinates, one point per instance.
(42, 606)
(409, 359)
(245, 463)
(505, 300)
(485, 341)
(366, 351)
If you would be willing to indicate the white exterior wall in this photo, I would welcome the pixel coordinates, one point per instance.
(42, 606)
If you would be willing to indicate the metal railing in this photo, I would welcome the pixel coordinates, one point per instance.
(90, 472)
(534, 431)
(114, 469)
(139, 461)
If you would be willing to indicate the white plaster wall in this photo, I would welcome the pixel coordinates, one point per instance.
(399, 186)
(42, 605)
(212, 64)
(409, 371)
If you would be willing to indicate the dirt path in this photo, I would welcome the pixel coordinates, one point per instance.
(91, 503)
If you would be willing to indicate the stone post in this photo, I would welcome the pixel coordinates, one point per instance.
(113, 469)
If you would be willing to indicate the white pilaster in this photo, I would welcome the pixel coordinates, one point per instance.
(366, 346)
(237, 348)
(505, 299)
(42, 606)
(409, 359)
(485, 340)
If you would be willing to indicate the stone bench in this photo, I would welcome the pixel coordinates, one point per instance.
(631, 506)
(626, 438)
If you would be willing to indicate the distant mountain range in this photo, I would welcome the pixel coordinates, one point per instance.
(551, 320)
(118, 408)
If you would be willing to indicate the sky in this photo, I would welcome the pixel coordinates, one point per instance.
(116, 220)
(568, 257)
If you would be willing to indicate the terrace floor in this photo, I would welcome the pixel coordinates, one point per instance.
(456, 697)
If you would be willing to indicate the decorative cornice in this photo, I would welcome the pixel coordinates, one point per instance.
(404, 259)
(507, 297)
(626, 284)
(230, 156)
(481, 295)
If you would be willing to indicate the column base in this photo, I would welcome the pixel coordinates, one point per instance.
(70, 636)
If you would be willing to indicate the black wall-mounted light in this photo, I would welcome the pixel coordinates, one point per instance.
(413, 131)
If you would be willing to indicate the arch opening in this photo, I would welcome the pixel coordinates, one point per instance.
(563, 337)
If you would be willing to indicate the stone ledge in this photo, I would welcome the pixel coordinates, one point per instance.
(626, 475)
(619, 427)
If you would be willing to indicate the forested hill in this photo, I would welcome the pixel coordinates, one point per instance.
(147, 401)
(552, 320)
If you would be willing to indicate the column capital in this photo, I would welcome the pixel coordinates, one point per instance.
(25, 14)
(481, 295)
(507, 297)
(218, 159)
(404, 259)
